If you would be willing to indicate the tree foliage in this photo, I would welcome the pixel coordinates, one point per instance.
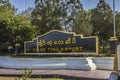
(101, 18)
(20, 29)
(73, 8)
(13, 28)
(55, 15)
(118, 25)
(6, 9)
(47, 15)
(82, 23)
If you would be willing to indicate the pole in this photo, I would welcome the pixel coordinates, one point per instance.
(25, 3)
(24, 47)
(37, 46)
(114, 18)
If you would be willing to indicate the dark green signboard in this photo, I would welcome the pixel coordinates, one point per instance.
(58, 41)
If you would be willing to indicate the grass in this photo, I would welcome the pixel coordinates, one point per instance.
(18, 78)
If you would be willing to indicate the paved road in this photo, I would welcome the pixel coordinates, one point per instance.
(82, 75)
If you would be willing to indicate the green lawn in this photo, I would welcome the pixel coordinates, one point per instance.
(17, 78)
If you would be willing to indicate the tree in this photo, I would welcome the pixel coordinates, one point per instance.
(27, 13)
(73, 8)
(13, 28)
(4, 37)
(82, 23)
(47, 15)
(101, 18)
(20, 29)
(118, 25)
(6, 9)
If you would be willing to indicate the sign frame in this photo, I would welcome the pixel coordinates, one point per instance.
(69, 33)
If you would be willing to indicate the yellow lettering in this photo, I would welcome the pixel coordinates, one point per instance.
(77, 49)
(70, 49)
(61, 49)
(73, 48)
(66, 48)
(42, 43)
(68, 41)
(60, 42)
(49, 43)
(73, 40)
(81, 48)
(55, 42)
(42, 50)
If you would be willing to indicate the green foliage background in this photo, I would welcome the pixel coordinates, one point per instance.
(65, 15)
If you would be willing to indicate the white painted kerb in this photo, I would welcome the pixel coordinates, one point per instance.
(47, 63)
(58, 63)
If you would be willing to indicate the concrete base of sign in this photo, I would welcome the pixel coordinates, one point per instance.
(104, 62)
(91, 64)
(48, 63)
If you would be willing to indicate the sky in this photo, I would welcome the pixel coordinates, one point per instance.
(87, 4)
